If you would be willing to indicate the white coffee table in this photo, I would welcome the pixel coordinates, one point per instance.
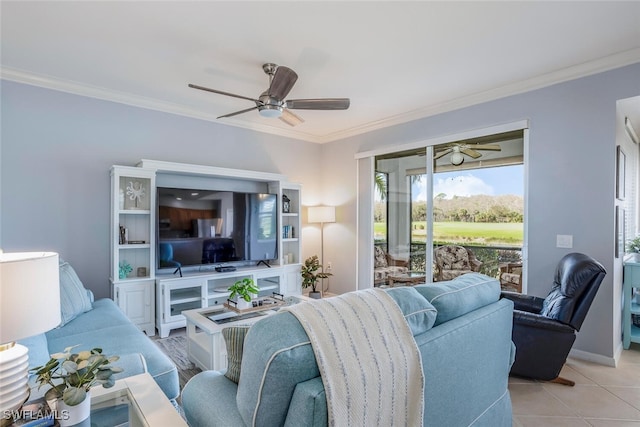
(205, 344)
(148, 405)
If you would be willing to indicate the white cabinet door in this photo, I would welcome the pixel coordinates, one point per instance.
(136, 300)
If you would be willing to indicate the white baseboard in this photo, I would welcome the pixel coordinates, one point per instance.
(598, 358)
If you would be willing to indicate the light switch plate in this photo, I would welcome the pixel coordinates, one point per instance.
(564, 241)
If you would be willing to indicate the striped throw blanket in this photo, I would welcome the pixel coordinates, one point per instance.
(369, 362)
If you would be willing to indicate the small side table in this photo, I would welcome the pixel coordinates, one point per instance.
(408, 279)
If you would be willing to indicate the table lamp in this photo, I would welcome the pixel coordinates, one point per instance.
(29, 305)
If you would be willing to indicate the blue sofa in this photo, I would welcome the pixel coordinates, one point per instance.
(463, 332)
(100, 323)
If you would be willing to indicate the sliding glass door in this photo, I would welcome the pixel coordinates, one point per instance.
(467, 193)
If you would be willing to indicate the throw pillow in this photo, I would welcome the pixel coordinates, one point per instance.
(234, 340)
(74, 299)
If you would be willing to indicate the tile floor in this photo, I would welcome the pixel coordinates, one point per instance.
(602, 397)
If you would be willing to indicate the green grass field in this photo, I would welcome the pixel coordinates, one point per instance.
(488, 233)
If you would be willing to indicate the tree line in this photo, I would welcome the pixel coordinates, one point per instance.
(479, 208)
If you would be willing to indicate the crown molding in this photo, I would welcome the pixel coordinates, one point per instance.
(570, 73)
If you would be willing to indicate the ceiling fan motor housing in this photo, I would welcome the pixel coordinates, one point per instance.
(270, 106)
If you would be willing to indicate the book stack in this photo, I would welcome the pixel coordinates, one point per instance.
(288, 232)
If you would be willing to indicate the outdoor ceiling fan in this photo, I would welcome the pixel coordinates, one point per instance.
(459, 150)
(271, 102)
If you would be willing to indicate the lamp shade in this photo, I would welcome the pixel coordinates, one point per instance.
(29, 294)
(322, 214)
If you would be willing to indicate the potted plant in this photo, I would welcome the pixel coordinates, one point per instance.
(310, 277)
(634, 245)
(71, 376)
(243, 291)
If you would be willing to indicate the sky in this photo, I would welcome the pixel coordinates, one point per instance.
(490, 181)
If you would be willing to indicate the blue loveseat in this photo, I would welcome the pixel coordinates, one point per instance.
(463, 332)
(100, 323)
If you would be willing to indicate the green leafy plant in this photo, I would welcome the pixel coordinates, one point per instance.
(634, 245)
(309, 275)
(71, 375)
(244, 289)
(124, 269)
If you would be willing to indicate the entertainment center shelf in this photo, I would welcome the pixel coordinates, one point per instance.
(201, 290)
(146, 290)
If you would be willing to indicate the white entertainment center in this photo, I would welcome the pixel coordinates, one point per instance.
(155, 298)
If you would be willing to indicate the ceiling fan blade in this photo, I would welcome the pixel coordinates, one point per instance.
(222, 93)
(283, 80)
(238, 112)
(471, 153)
(319, 104)
(290, 118)
(487, 147)
(442, 153)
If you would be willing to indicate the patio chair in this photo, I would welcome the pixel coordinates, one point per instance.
(453, 261)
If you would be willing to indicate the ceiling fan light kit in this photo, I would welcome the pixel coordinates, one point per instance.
(457, 159)
(271, 102)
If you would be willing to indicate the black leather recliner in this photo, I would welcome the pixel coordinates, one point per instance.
(544, 329)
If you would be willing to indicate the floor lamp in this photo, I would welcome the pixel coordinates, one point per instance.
(322, 214)
(29, 305)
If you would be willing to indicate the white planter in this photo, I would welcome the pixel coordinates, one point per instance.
(72, 415)
(242, 304)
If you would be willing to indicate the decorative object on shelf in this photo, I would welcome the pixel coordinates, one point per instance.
(310, 277)
(243, 291)
(136, 192)
(322, 214)
(71, 376)
(634, 245)
(124, 234)
(141, 272)
(30, 305)
(621, 160)
(286, 204)
(124, 270)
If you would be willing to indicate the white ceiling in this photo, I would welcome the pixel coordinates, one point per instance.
(397, 61)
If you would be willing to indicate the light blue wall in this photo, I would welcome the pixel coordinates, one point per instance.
(571, 181)
(57, 150)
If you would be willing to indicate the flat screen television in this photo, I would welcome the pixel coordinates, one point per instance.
(199, 228)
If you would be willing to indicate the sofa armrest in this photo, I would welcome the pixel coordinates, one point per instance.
(529, 303)
(537, 321)
(308, 405)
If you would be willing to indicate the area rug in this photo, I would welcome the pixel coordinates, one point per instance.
(176, 348)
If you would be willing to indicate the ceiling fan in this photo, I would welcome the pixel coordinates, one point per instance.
(271, 102)
(458, 150)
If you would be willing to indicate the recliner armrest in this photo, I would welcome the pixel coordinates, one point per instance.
(523, 318)
(522, 302)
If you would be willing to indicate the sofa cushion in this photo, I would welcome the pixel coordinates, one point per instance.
(107, 327)
(234, 340)
(419, 313)
(460, 295)
(74, 299)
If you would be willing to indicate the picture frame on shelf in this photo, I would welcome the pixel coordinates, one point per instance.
(621, 160)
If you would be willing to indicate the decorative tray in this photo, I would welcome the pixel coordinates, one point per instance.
(260, 304)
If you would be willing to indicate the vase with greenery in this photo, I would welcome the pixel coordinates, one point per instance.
(71, 376)
(243, 291)
(310, 276)
(124, 269)
(634, 245)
